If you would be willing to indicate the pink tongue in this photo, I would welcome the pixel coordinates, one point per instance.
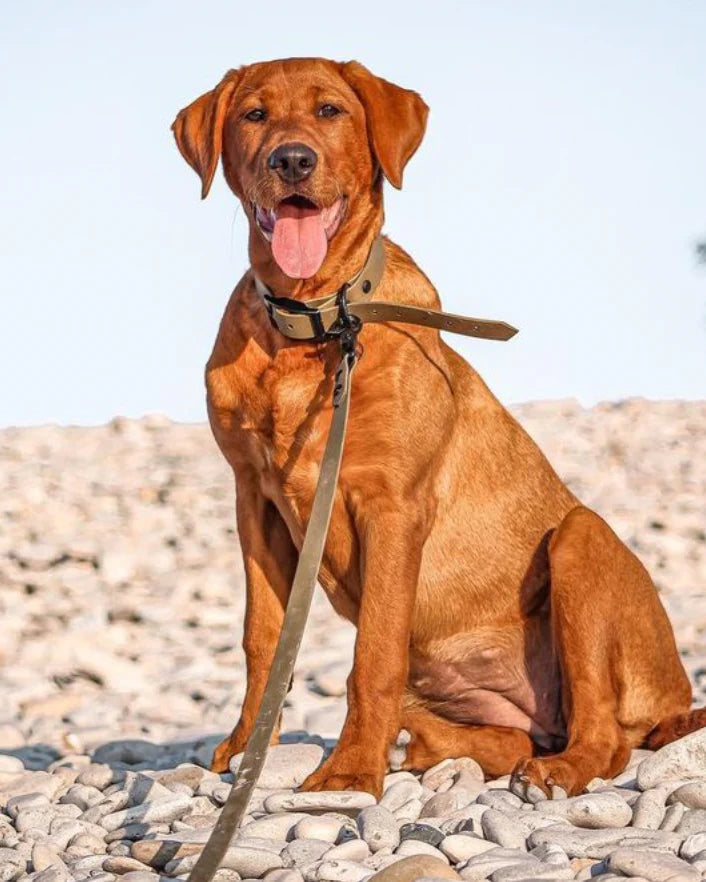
(299, 241)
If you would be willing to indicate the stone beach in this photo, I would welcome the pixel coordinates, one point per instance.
(121, 604)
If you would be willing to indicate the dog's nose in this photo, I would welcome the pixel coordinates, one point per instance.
(293, 162)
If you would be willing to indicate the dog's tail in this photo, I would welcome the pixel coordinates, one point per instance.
(675, 727)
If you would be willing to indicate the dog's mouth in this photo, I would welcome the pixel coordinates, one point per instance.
(299, 232)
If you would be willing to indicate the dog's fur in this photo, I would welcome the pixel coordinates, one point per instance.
(497, 617)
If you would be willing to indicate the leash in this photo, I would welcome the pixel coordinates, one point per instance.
(338, 316)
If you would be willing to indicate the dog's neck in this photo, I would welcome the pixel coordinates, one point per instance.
(347, 254)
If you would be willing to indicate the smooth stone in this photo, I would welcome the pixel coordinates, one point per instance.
(442, 804)
(500, 828)
(593, 811)
(44, 856)
(22, 783)
(341, 871)
(692, 795)
(248, 862)
(400, 793)
(12, 865)
(378, 828)
(685, 758)
(131, 751)
(323, 800)
(16, 804)
(461, 846)
(136, 831)
(693, 821)
(166, 809)
(649, 809)
(692, 846)
(423, 832)
(11, 763)
(518, 872)
(410, 847)
(408, 812)
(652, 865)
(283, 875)
(123, 864)
(301, 852)
(318, 827)
(159, 852)
(500, 800)
(579, 843)
(286, 765)
(672, 817)
(275, 826)
(137, 876)
(411, 868)
(98, 775)
(483, 865)
(352, 850)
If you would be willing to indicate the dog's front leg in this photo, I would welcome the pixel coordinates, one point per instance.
(269, 557)
(391, 545)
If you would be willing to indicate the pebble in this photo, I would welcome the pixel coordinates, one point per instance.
(652, 865)
(503, 830)
(411, 868)
(685, 758)
(423, 832)
(460, 847)
(693, 821)
(649, 809)
(600, 843)
(416, 846)
(378, 828)
(691, 794)
(166, 809)
(336, 800)
(593, 811)
(286, 765)
(12, 865)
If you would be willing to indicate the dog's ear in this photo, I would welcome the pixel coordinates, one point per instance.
(198, 129)
(396, 118)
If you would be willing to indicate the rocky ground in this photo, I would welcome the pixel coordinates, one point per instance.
(121, 605)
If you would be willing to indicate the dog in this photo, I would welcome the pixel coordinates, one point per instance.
(497, 617)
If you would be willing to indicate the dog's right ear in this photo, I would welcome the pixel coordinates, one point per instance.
(198, 129)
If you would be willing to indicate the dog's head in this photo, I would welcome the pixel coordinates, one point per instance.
(304, 144)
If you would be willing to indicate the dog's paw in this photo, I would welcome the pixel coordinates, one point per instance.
(342, 771)
(547, 778)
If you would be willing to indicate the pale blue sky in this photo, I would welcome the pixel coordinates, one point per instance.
(561, 187)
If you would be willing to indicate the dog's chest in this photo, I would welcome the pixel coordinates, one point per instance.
(273, 414)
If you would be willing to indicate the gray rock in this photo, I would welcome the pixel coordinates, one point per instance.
(649, 809)
(685, 758)
(410, 847)
(400, 793)
(692, 846)
(424, 832)
(286, 766)
(337, 800)
(275, 826)
(655, 866)
(672, 817)
(502, 829)
(693, 821)
(518, 872)
(130, 751)
(341, 871)
(301, 852)
(460, 847)
(483, 865)
(691, 794)
(12, 865)
(502, 800)
(167, 809)
(378, 828)
(248, 862)
(44, 856)
(600, 843)
(593, 811)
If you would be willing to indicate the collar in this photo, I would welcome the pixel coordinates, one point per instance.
(359, 289)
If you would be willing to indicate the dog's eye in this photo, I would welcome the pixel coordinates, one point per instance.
(328, 110)
(257, 114)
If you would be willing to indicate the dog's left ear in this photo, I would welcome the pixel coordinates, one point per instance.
(396, 118)
(198, 129)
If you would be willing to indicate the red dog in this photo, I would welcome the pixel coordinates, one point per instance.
(496, 615)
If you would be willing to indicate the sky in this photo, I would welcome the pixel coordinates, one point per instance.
(561, 187)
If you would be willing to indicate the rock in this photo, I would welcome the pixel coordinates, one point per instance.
(11, 764)
(503, 830)
(685, 758)
(341, 871)
(649, 809)
(423, 832)
(22, 783)
(159, 852)
(248, 862)
(655, 866)
(400, 793)
(593, 811)
(121, 865)
(138, 876)
(286, 766)
(410, 847)
(321, 827)
(166, 809)
(302, 852)
(460, 847)
(692, 846)
(693, 821)
(352, 850)
(131, 752)
(44, 856)
(378, 828)
(17, 804)
(518, 872)
(336, 800)
(692, 794)
(411, 868)
(443, 804)
(12, 865)
(276, 826)
(502, 800)
(600, 843)
(484, 865)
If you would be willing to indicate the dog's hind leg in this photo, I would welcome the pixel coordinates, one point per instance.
(620, 668)
(433, 738)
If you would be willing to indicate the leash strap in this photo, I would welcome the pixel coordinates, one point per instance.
(292, 630)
